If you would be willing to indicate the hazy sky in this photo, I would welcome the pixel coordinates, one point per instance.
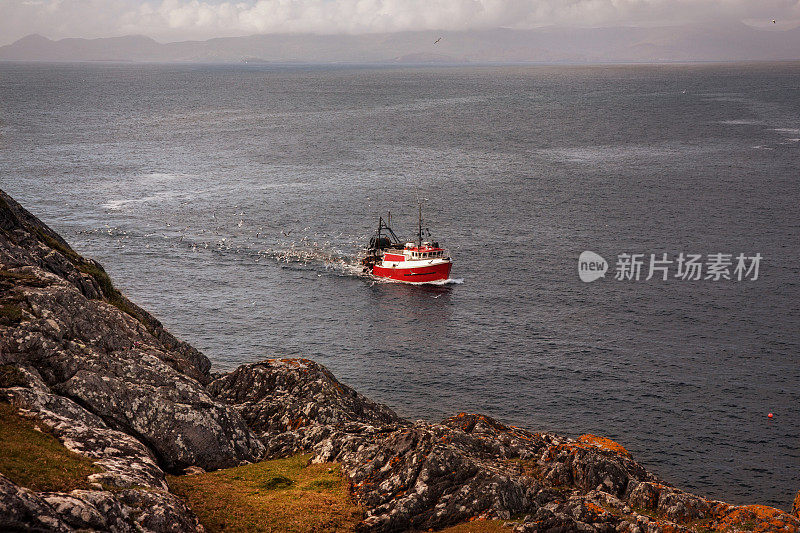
(169, 20)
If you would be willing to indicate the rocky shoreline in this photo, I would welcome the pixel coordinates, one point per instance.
(114, 386)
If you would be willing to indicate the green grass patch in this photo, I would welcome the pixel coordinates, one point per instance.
(278, 495)
(322, 484)
(35, 459)
(102, 279)
(276, 482)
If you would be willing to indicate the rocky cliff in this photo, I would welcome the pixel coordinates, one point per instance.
(79, 357)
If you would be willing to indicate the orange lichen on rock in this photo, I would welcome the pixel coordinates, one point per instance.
(297, 423)
(796, 505)
(759, 519)
(554, 452)
(594, 508)
(605, 444)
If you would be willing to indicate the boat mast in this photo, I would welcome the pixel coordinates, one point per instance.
(420, 225)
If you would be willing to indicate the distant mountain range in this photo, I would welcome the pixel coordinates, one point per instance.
(723, 42)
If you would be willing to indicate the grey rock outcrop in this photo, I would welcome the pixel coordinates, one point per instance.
(421, 476)
(91, 344)
(292, 403)
(23, 510)
(125, 511)
(112, 385)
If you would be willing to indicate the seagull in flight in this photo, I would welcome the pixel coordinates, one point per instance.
(439, 39)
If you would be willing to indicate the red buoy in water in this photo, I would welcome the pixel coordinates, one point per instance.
(769, 415)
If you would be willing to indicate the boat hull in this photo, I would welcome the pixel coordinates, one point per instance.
(420, 274)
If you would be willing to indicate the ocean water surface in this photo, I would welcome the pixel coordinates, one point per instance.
(232, 201)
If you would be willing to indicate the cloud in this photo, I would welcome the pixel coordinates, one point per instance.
(202, 19)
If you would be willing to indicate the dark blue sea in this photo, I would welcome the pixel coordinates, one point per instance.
(232, 202)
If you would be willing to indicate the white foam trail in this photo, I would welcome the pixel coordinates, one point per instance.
(158, 176)
(116, 205)
(113, 205)
(330, 259)
(448, 281)
(742, 122)
(441, 282)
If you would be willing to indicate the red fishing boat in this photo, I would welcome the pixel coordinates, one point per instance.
(410, 262)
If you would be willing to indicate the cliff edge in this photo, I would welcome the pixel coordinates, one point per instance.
(112, 385)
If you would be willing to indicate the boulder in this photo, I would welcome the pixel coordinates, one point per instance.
(23, 510)
(292, 404)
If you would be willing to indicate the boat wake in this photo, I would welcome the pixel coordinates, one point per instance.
(342, 258)
(314, 257)
(448, 281)
(441, 282)
(304, 254)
